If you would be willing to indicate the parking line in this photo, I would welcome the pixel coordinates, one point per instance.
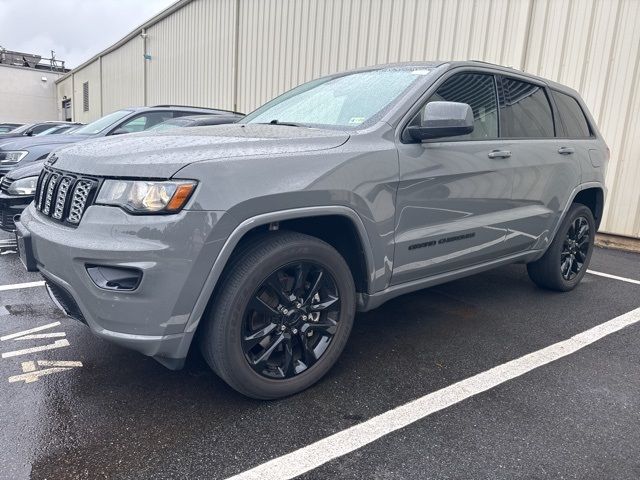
(316, 454)
(17, 286)
(28, 332)
(42, 348)
(614, 277)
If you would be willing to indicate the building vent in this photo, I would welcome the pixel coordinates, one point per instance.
(85, 97)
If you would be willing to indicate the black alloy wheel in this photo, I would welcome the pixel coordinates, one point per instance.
(567, 258)
(291, 320)
(575, 248)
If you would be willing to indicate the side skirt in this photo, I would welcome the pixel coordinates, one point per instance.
(368, 302)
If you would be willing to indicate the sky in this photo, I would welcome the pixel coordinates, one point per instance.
(75, 29)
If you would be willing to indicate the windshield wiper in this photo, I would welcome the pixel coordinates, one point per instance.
(275, 121)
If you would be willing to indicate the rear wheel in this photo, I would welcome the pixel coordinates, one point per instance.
(567, 259)
(282, 318)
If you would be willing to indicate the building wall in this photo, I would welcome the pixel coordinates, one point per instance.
(123, 77)
(590, 45)
(90, 74)
(25, 96)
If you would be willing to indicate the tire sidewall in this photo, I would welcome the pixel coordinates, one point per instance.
(575, 212)
(229, 323)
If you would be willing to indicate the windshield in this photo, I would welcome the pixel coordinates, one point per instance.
(23, 128)
(346, 101)
(102, 123)
(56, 129)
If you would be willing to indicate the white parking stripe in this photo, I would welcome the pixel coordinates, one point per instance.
(27, 332)
(17, 286)
(42, 348)
(614, 277)
(312, 456)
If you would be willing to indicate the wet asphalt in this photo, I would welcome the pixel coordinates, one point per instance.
(122, 415)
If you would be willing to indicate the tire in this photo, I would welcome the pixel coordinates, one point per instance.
(256, 290)
(550, 271)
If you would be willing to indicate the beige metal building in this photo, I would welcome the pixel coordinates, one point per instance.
(236, 54)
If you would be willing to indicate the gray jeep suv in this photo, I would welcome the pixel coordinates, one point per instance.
(262, 239)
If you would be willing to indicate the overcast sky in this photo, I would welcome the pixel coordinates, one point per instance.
(75, 29)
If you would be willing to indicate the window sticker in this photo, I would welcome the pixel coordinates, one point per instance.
(420, 72)
(356, 120)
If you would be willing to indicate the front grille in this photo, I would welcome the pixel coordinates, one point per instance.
(5, 183)
(65, 300)
(64, 196)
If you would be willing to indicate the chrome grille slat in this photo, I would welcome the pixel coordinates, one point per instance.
(61, 198)
(51, 186)
(64, 196)
(79, 202)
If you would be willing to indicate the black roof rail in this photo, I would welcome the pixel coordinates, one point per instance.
(198, 108)
(494, 64)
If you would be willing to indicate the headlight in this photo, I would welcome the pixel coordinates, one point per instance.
(138, 196)
(12, 157)
(24, 186)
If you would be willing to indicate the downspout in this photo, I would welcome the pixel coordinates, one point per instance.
(143, 34)
(236, 58)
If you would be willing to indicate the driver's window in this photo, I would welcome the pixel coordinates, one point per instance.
(479, 92)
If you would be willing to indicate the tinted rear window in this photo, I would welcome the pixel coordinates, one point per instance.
(573, 119)
(525, 111)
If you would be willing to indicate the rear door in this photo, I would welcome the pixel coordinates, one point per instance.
(545, 171)
(453, 192)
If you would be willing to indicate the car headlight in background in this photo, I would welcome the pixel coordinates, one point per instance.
(12, 156)
(140, 196)
(24, 186)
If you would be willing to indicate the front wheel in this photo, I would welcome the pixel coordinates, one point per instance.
(282, 317)
(566, 260)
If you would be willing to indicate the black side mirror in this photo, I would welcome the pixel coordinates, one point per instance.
(443, 119)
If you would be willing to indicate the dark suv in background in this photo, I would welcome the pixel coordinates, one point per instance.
(18, 186)
(20, 151)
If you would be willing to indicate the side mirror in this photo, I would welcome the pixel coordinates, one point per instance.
(443, 119)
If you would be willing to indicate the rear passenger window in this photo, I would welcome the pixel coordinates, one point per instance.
(479, 92)
(573, 119)
(525, 111)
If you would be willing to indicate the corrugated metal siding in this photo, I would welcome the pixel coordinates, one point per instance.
(123, 77)
(590, 45)
(193, 55)
(91, 74)
(594, 47)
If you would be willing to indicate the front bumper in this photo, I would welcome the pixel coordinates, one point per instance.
(175, 253)
(10, 206)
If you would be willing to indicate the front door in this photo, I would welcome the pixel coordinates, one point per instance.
(453, 193)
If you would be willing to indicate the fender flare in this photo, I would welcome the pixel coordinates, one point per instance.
(234, 238)
(572, 197)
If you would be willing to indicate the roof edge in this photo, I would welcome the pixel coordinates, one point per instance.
(136, 31)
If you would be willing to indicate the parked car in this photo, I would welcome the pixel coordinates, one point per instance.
(22, 151)
(17, 188)
(31, 129)
(265, 237)
(7, 127)
(58, 129)
(196, 121)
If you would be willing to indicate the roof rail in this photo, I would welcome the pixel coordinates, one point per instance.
(495, 64)
(199, 108)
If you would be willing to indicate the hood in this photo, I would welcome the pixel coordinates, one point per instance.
(23, 143)
(30, 170)
(162, 154)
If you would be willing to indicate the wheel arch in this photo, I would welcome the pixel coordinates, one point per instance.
(298, 219)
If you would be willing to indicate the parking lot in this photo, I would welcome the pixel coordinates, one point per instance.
(74, 406)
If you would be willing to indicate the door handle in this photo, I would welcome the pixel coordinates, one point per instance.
(499, 154)
(566, 150)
